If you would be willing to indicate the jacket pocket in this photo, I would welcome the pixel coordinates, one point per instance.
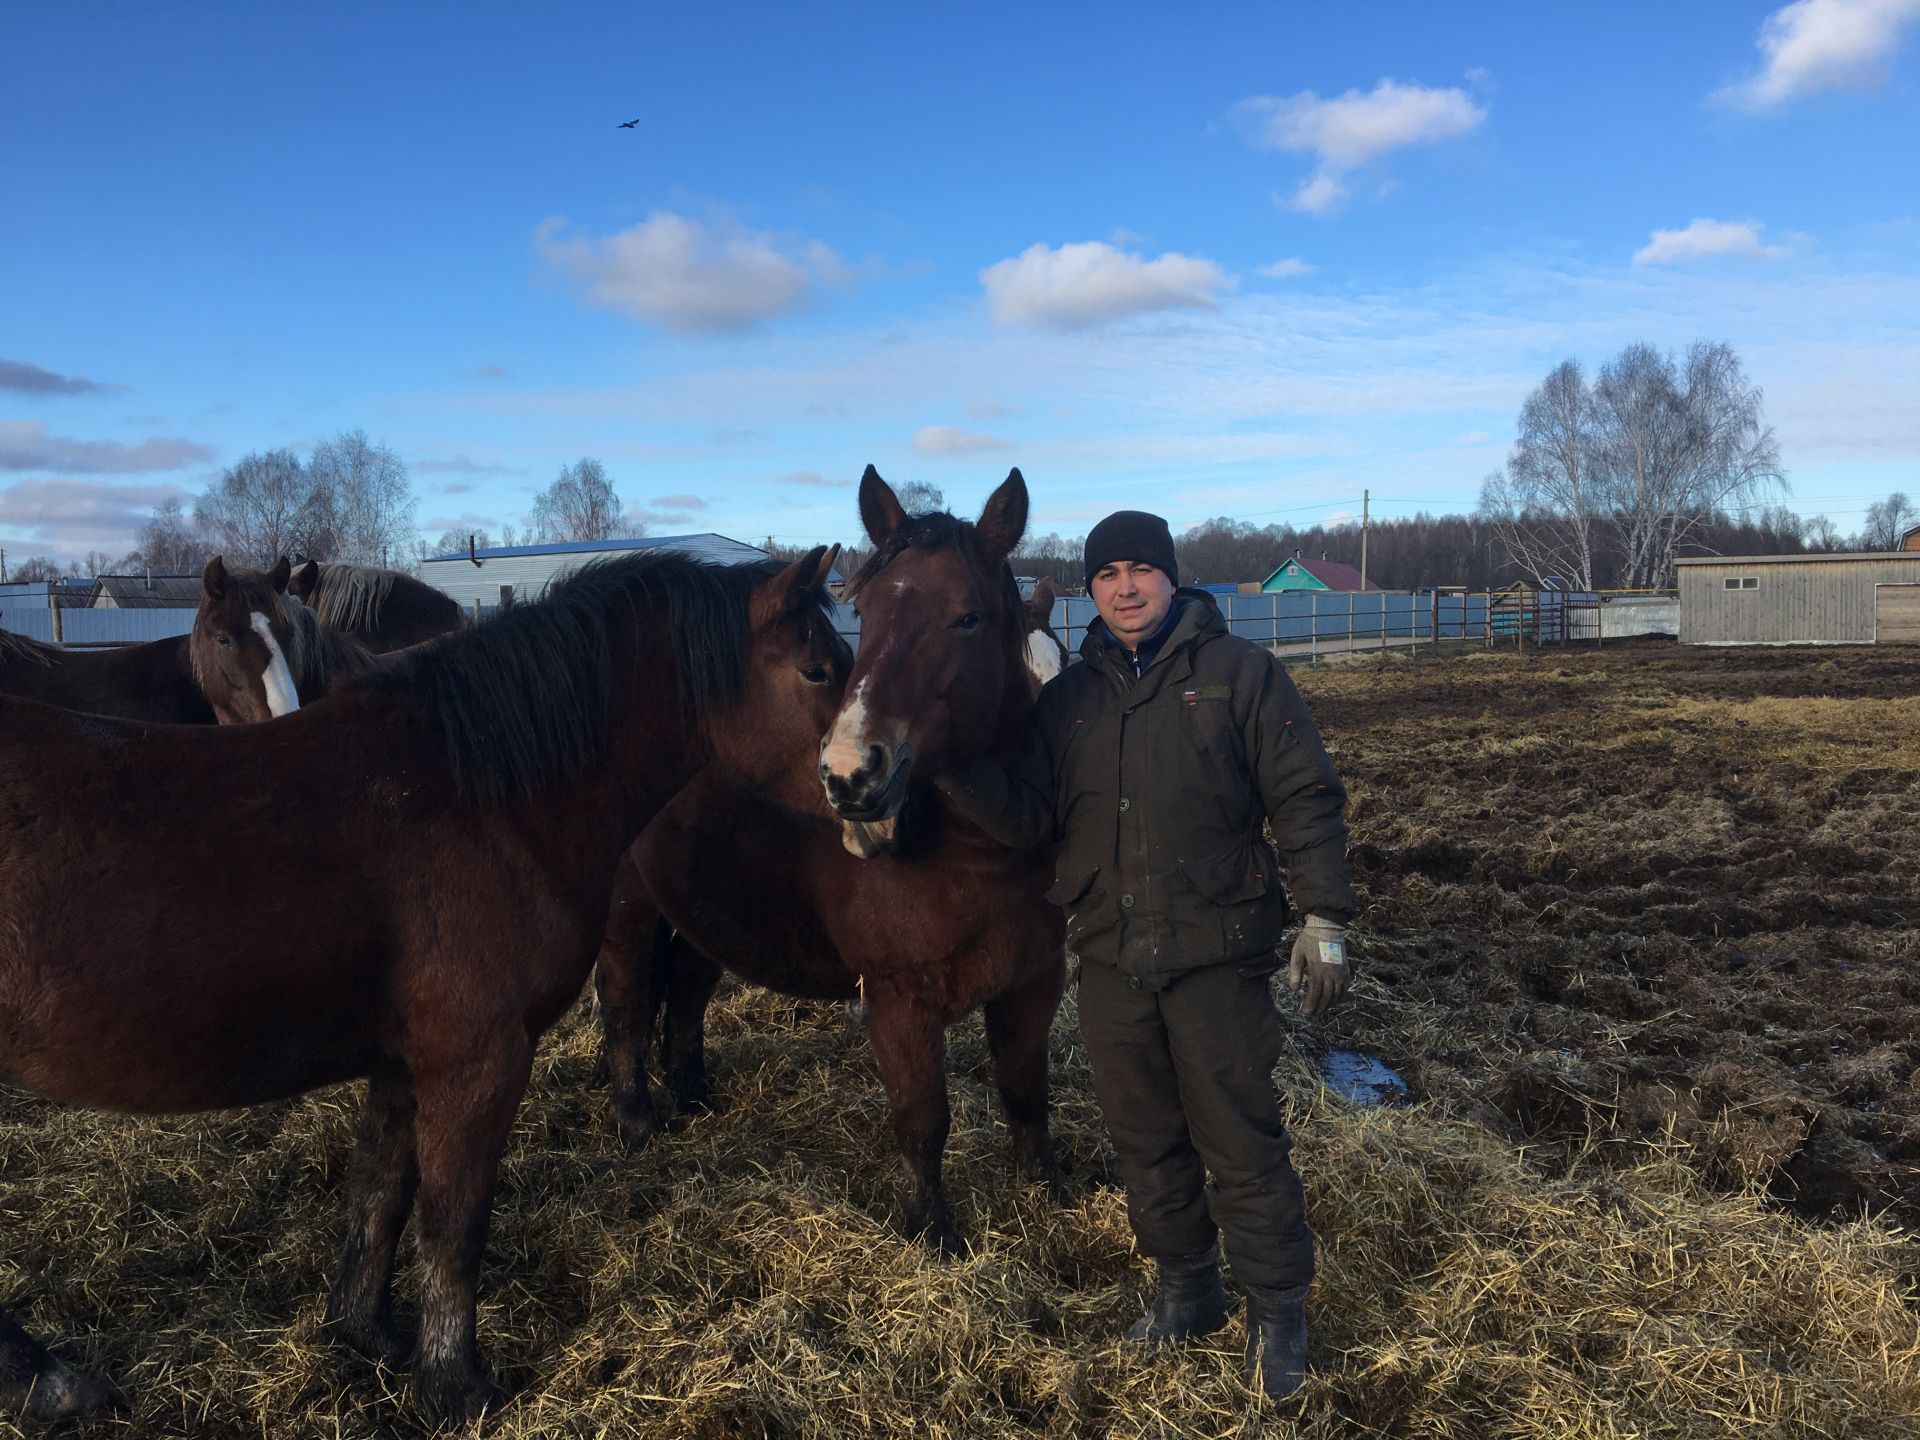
(1070, 885)
(1229, 878)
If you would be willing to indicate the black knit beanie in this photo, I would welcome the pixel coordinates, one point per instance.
(1131, 535)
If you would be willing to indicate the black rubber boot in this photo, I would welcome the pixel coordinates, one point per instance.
(1277, 1340)
(1189, 1302)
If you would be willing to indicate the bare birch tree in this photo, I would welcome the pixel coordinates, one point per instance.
(367, 502)
(1545, 505)
(263, 507)
(580, 504)
(1677, 444)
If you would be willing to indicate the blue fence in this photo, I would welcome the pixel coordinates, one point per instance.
(94, 627)
(1299, 618)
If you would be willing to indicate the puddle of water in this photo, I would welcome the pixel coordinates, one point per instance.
(1360, 1077)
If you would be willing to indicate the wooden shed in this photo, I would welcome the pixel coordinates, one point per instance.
(1865, 599)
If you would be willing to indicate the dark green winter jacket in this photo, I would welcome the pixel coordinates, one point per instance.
(1156, 789)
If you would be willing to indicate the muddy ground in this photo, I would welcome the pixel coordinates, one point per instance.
(1639, 932)
(1649, 893)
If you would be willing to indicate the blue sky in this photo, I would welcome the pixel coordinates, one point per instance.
(1248, 262)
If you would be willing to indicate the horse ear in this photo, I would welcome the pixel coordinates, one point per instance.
(880, 509)
(279, 574)
(1040, 603)
(306, 575)
(1004, 521)
(213, 579)
(825, 571)
(780, 595)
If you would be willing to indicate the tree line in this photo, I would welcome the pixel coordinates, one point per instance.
(1608, 483)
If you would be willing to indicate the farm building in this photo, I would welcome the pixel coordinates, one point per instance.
(1301, 574)
(145, 592)
(1911, 540)
(1800, 599)
(527, 568)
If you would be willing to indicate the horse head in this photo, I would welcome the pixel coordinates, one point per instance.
(796, 673)
(1046, 655)
(940, 677)
(243, 638)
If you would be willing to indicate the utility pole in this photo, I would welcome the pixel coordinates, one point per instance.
(3, 567)
(1365, 495)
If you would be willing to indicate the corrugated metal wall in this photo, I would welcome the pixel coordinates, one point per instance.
(1824, 600)
(465, 582)
(96, 627)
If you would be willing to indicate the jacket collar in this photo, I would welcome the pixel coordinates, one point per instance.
(1197, 619)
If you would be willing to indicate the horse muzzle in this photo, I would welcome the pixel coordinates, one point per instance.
(873, 790)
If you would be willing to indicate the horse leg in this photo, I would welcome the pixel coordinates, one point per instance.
(386, 1172)
(36, 1386)
(1018, 1024)
(910, 1049)
(465, 1115)
(690, 979)
(624, 983)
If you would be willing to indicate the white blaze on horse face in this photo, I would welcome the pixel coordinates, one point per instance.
(1043, 656)
(282, 697)
(845, 748)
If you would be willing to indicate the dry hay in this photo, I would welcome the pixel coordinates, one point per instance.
(741, 1278)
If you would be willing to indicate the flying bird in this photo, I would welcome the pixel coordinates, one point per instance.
(626, 125)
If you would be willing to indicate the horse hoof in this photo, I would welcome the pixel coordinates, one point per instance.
(454, 1399)
(371, 1339)
(637, 1128)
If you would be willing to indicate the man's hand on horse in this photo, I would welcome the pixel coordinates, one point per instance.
(1319, 965)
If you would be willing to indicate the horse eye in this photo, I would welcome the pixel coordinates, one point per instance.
(226, 642)
(968, 621)
(816, 675)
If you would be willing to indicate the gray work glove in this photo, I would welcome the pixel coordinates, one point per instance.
(1319, 965)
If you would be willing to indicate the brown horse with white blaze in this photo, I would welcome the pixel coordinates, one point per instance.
(257, 654)
(949, 921)
(519, 761)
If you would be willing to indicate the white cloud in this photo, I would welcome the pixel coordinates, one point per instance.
(78, 515)
(687, 276)
(26, 445)
(1354, 129)
(460, 465)
(678, 502)
(946, 440)
(1286, 269)
(1080, 285)
(1822, 45)
(1704, 238)
(812, 479)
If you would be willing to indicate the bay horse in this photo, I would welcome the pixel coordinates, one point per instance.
(257, 654)
(518, 762)
(948, 921)
(383, 609)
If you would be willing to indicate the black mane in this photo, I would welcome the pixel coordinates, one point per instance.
(25, 648)
(523, 697)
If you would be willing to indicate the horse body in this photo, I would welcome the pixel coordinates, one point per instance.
(434, 906)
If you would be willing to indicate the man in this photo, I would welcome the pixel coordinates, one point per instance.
(1154, 764)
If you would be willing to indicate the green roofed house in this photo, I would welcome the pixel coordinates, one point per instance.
(1299, 574)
